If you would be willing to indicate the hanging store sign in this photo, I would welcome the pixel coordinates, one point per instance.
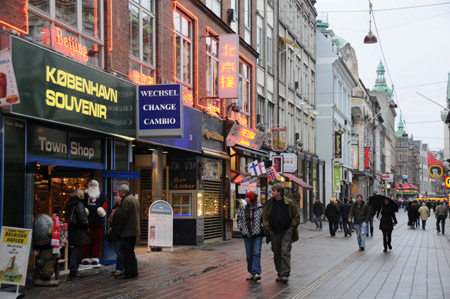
(290, 162)
(8, 87)
(337, 145)
(54, 88)
(387, 177)
(367, 157)
(279, 139)
(245, 137)
(160, 111)
(337, 177)
(228, 66)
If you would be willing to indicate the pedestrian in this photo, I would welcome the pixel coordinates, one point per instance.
(345, 211)
(113, 234)
(318, 212)
(424, 213)
(96, 204)
(78, 230)
(370, 222)
(250, 223)
(413, 214)
(332, 214)
(281, 219)
(339, 206)
(387, 222)
(360, 213)
(128, 216)
(441, 214)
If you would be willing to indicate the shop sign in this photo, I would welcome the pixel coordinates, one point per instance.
(367, 157)
(160, 225)
(55, 144)
(228, 66)
(54, 88)
(211, 171)
(14, 252)
(337, 178)
(180, 173)
(290, 162)
(245, 137)
(8, 87)
(278, 163)
(279, 139)
(160, 111)
(387, 177)
(337, 145)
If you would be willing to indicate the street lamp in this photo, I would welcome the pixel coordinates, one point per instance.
(370, 38)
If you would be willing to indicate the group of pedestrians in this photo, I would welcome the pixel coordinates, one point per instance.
(86, 219)
(277, 221)
(422, 213)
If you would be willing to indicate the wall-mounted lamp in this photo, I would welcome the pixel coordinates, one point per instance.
(234, 107)
(370, 38)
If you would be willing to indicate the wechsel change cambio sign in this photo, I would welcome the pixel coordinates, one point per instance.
(160, 111)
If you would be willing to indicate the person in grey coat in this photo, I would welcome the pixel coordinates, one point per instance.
(441, 214)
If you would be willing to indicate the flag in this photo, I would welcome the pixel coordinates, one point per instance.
(271, 174)
(435, 167)
(262, 167)
(254, 168)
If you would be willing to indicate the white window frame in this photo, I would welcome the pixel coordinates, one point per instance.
(181, 78)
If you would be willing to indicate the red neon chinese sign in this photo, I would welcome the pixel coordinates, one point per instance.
(228, 66)
(140, 78)
(367, 157)
(245, 137)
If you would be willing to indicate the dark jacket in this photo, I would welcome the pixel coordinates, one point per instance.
(413, 212)
(345, 211)
(332, 212)
(78, 231)
(250, 221)
(113, 235)
(318, 208)
(128, 216)
(388, 218)
(360, 212)
(292, 211)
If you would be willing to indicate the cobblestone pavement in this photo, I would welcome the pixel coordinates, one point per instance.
(322, 267)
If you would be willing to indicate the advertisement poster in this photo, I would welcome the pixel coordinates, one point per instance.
(14, 253)
(337, 178)
(211, 171)
(8, 87)
(160, 225)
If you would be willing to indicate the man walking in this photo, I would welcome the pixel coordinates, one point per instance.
(332, 214)
(128, 216)
(281, 220)
(441, 214)
(345, 211)
(360, 213)
(318, 213)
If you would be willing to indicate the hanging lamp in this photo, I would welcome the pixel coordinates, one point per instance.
(370, 38)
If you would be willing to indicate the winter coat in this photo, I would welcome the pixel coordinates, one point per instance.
(113, 234)
(318, 208)
(424, 212)
(413, 212)
(250, 221)
(388, 218)
(78, 231)
(100, 202)
(345, 211)
(128, 216)
(360, 212)
(441, 211)
(332, 212)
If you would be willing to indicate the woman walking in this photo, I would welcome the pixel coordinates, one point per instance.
(387, 223)
(250, 224)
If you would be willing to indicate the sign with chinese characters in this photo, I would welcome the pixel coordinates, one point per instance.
(337, 145)
(160, 111)
(244, 136)
(367, 157)
(8, 88)
(228, 66)
(140, 78)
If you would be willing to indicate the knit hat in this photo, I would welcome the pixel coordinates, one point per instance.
(252, 196)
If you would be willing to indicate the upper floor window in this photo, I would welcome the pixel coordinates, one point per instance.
(245, 86)
(215, 6)
(260, 39)
(73, 28)
(212, 52)
(183, 48)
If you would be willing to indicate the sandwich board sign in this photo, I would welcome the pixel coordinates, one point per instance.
(160, 225)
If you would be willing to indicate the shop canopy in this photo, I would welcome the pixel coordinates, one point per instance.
(406, 187)
(299, 181)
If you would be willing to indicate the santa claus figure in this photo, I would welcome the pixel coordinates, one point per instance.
(96, 206)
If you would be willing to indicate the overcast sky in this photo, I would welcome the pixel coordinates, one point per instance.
(416, 46)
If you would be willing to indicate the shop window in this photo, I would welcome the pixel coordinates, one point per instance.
(142, 42)
(182, 204)
(58, 25)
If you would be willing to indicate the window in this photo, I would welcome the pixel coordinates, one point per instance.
(182, 204)
(183, 48)
(215, 6)
(290, 68)
(212, 75)
(260, 109)
(260, 40)
(248, 21)
(51, 22)
(244, 86)
(270, 114)
(269, 51)
(142, 45)
(235, 7)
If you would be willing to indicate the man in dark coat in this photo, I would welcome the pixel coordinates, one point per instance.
(413, 214)
(360, 213)
(318, 213)
(345, 211)
(332, 213)
(128, 216)
(387, 223)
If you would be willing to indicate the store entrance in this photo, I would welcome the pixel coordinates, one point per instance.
(53, 187)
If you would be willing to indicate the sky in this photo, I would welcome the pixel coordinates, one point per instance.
(416, 47)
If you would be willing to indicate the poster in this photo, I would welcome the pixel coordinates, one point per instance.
(160, 225)
(14, 253)
(8, 87)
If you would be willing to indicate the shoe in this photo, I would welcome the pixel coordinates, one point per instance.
(95, 261)
(279, 279)
(75, 274)
(361, 248)
(251, 277)
(390, 247)
(371, 235)
(86, 262)
(116, 273)
(345, 235)
(385, 250)
(284, 279)
(256, 277)
(350, 235)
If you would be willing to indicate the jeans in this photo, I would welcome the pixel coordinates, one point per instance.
(253, 250)
(75, 258)
(360, 229)
(340, 222)
(318, 220)
(119, 253)
(129, 257)
(281, 247)
(369, 225)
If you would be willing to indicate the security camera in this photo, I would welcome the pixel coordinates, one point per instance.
(260, 127)
(236, 107)
(269, 141)
(299, 143)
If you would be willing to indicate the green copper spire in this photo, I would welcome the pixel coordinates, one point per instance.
(380, 83)
(400, 130)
